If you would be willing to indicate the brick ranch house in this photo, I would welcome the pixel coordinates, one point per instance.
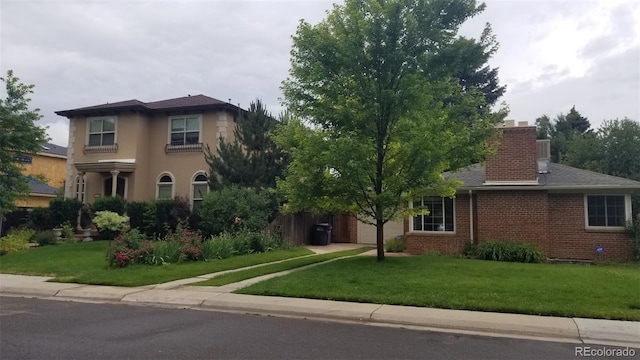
(520, 196)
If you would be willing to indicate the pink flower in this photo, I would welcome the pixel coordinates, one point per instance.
(237, 220)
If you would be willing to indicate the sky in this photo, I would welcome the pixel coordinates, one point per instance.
(553, 54)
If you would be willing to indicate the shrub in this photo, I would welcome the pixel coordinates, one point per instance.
(114, 204)
(40, 219)
(110, 224)
(16, 240)
(135, 210)
(129, 248)
(162, 216)
(44, 238)
(218, 247)
(165, 252)
(232, 209)
(508, 251)
(64, 210)
(634, 229)
(67, 231)
(397, 244)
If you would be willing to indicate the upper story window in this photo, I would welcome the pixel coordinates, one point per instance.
(102, 131)
(612, 211)
(185, 130)
(440, 217)
(164, 187)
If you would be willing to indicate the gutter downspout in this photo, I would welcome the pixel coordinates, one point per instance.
(471, 215)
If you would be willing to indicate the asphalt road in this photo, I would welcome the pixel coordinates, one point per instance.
(46, 329)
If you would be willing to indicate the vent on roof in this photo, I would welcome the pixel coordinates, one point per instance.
(46, 148)
(543, 154)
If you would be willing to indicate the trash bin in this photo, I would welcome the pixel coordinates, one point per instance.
(321, 234)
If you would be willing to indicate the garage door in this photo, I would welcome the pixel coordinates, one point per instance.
(367, 233)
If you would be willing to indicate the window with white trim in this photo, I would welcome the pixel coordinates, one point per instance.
(80, 187)
(200, 187)
(440, 217)
(184, 130)
(102, 131)
(164, 187)
(606, 211)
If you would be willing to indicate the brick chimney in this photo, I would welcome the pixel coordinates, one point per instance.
(516, 160)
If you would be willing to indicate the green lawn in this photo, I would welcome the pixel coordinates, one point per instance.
(86, 263)
(240, 275)
(570, 290)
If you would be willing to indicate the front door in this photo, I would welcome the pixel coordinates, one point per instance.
(108, 183)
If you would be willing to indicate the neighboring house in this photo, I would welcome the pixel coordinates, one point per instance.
(143, 151)
(519, 196)
(50, 162)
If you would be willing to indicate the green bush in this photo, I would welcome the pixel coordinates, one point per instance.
(44, 238)
(506, 251)
(114, 204)
(67, 231)
(135, 210)
(163, 216)
(634, 229)
(15, 240)
(110, 224)
(233, 209)
(397, 244)
(40, 219)
(129, 248)
(64, 210)
(218, 247)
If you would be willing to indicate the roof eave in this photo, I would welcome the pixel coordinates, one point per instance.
(632, 188)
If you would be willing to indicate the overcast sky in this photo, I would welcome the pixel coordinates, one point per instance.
(553, 54)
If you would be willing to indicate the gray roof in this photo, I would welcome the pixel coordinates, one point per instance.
(196, 102)
(559, 177)
(41, 188)
(54, 149)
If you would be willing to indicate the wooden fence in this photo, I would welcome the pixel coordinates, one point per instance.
(296, 228)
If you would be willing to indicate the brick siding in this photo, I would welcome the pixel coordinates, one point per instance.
(444, 243)
(516, 156)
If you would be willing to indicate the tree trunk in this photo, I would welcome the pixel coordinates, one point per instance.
(380, 239)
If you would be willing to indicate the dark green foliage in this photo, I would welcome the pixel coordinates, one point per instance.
(232, 209)
(18, 134)
(135, 210)
(114, 204)
(40, 219)
(44, 238)
(162, 216)
(397, 244)
(634, 229)
(505, 251)
(562, 131)
(64, 210)
(253, 159)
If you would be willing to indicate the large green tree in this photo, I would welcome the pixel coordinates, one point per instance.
(383, 113)
(252, 159)
(613, 149)
(18, 135)
(561, 131)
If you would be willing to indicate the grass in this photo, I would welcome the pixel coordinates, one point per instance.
(568, 290)
(85, 263)
(240, 275)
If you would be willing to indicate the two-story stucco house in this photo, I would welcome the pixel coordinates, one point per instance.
(143, 151)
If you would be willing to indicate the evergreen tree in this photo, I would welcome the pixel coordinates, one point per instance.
(252, 159)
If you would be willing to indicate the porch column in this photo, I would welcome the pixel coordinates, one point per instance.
(80, 187)
(114, 182)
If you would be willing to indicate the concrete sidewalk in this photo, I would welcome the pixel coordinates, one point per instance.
(590, 331)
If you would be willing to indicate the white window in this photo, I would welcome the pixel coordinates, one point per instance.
(199, 187)
(102, 131)
(184, 130)
(164, 187)
(440, 217)
(612, 211)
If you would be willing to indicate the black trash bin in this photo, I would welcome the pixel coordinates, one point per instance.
(321, 234)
